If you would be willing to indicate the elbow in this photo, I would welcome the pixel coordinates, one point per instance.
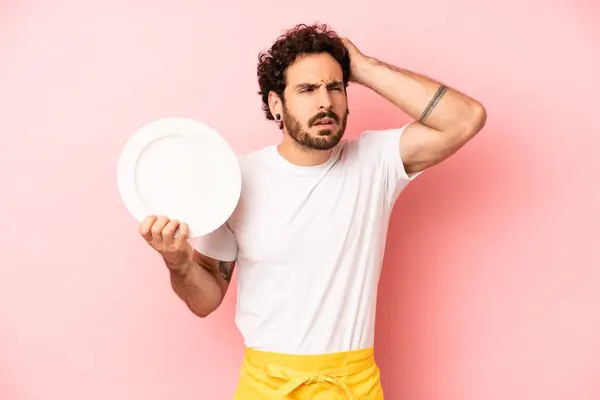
(471, 123)
(204, 308)
(201, 312)
(477, 118)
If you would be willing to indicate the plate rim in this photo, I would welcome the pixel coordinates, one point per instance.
(152, 131)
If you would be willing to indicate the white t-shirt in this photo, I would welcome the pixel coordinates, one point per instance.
(309, 244)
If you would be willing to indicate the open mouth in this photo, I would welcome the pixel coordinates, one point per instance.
(325, 122)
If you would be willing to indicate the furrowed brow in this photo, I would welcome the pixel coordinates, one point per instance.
(330, 85)
(335, 84)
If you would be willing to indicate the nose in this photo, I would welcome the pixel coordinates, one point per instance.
(324, 99)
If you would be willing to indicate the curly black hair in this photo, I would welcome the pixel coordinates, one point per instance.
(299, 40)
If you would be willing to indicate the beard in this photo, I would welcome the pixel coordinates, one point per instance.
(325, 139)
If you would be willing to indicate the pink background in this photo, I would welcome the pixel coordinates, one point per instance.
(491, 283)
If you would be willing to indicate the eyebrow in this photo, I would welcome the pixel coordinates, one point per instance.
(332, 84)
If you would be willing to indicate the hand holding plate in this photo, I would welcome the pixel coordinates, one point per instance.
(169, 238)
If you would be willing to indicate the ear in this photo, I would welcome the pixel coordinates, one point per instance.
(275, 104)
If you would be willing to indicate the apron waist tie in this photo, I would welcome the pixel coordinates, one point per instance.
(296, 379)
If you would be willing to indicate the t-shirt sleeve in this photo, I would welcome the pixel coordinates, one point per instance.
(380, 150)
(220, 244)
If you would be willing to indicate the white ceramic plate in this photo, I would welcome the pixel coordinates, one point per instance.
(182, 169)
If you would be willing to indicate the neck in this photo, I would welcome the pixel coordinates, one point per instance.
(300, 155)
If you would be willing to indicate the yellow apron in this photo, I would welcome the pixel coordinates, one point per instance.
(351, 375)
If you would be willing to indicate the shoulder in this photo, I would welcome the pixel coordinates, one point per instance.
(255, 158)
(375, 138)
(255, 167)
(381, 149)
(371, 144)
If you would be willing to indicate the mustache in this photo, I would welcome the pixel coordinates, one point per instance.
(321, 115)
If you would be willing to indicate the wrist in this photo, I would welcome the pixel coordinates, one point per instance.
(361, 69)
(179, 268)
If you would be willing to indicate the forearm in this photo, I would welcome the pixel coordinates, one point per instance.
(197, 287)
(412, 92)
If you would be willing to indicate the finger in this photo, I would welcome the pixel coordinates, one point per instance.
(146, 225)
(168, 231)
(183, 233)
(157, 228)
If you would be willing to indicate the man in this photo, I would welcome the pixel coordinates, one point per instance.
(309, 231)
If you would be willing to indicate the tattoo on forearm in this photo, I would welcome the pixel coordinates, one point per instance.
(226, 270)
(438, 95)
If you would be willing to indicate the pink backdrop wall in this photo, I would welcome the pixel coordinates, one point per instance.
(491, 284)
